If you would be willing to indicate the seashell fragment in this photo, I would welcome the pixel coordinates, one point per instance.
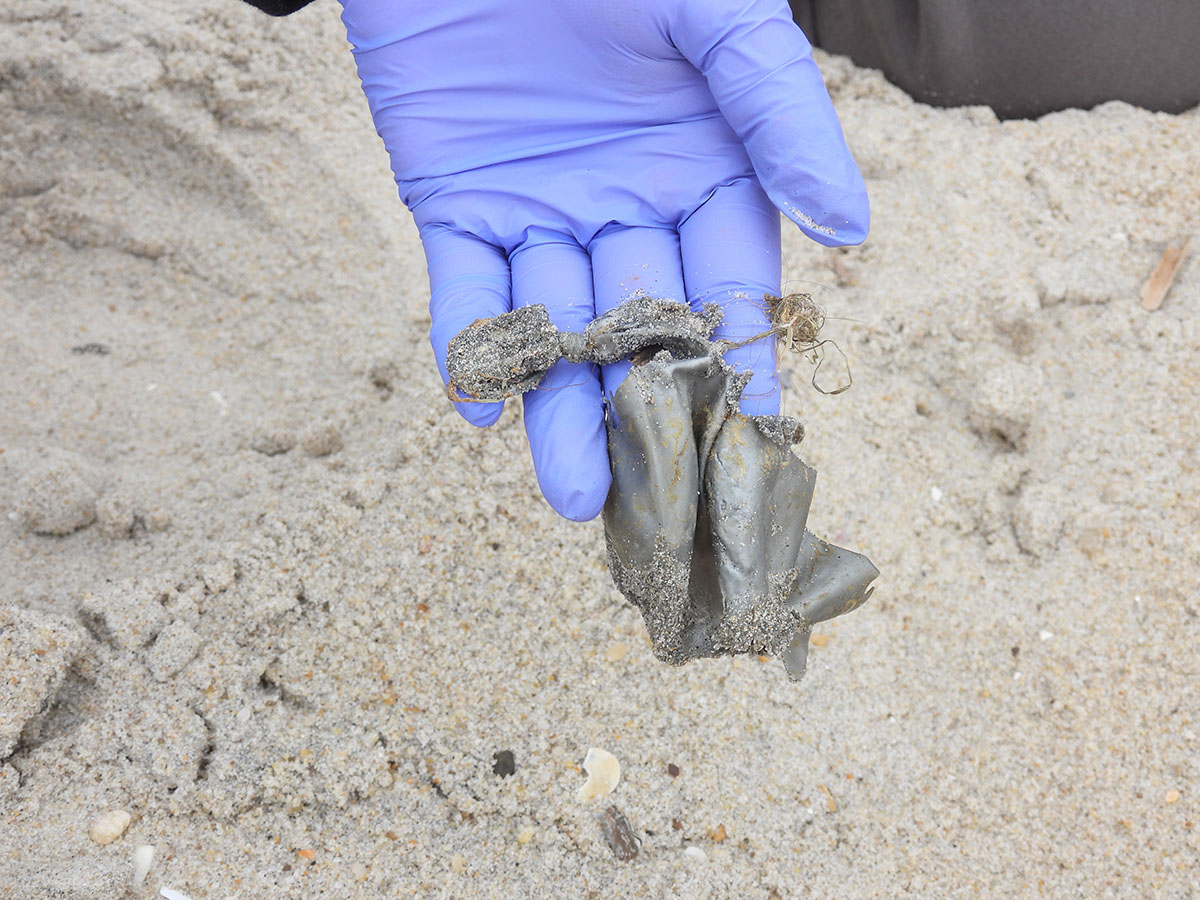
(143, 856)
(604, 771)
(109, 826)
(616, 652)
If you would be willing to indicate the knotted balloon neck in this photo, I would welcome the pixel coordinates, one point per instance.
(493, 359)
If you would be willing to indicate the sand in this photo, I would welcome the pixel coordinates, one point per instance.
(264, 591)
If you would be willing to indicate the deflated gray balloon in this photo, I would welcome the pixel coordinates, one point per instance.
(705, 520)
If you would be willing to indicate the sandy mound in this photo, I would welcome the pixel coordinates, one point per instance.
(292, 607)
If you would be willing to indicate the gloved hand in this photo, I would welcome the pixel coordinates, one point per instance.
(575, 153)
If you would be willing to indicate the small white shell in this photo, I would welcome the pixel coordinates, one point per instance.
(109, 826)
(603, 774)
(143, 856)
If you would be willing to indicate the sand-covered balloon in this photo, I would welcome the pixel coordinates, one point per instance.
(705, 520)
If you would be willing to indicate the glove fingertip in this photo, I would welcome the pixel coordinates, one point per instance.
(580, 504)
(575, 480)
(848, 227)
(481, 415)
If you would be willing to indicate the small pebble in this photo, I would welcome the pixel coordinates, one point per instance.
(109, 826)
(307, 853)
(603, 770)
(619, 834)
(1172, 796)
(525, 835)
(819, 640)
(673, 770)
(503, 763)
(458, 863)
(695, 853)
(616, 652)
(717, 834)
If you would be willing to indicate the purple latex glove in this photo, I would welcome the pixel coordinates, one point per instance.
(577, 152)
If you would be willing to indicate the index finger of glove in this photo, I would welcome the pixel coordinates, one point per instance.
(730, 250)
(469, 279)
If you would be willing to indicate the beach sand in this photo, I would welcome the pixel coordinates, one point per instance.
(262, 589)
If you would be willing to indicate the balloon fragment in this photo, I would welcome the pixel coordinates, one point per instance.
(705, 522)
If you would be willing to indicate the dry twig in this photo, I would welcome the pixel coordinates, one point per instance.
(1154, 291)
